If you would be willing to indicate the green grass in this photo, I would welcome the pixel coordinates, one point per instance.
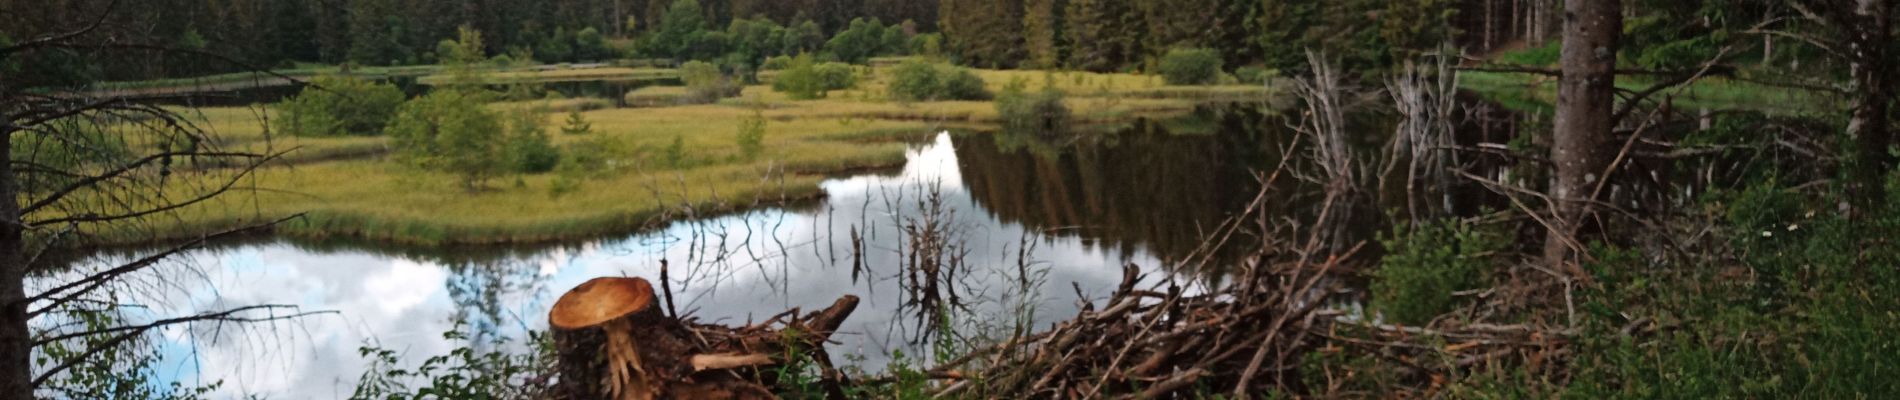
(559, 74)
(346, 186)
(300, 72)
(1535, 93)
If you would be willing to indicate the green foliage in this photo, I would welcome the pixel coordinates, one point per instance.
(580, 162)
(675, 153)
(67, 145)
(1541, 56)
(920, 81)
(467, 372)
(563, 45)
(865, 39)
(450, 130)
(775, 63)
(928, 45)
(120, 370)
(682, 34)
(1424, 265)
(576, 124)
(751, 137)
(807, 80)
(1255, 75)
(1041, 112)
(705, 83)
(1804, 310)
(378, 34)
(1416, 27)
(341, 106)
(1191, 67)
(528, 150)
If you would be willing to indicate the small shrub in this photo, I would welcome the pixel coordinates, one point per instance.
(806, 80)
(528, 150)
(705, 83)
(1191, 67)
(1424, 265)
(576, 124)
(865, 39)
(775, 63)
(751, 138)
(580, 162)
(1254, 75)
(919, 81)
(340, 106)
(450, 130)
(1041, 112)
(675, 155)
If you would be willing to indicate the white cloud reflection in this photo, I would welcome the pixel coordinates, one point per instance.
(404, 304)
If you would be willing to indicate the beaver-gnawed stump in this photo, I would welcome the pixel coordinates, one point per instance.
(613, 342)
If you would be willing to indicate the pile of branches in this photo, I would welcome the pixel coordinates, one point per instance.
(1245, 339)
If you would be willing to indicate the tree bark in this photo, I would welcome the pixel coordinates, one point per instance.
(1586, 101)
(16, 341)
(1871, 126)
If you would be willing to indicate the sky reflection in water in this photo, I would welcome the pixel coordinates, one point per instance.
(773, 260)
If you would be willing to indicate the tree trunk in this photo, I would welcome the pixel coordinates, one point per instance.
(1870, 125)
(16, 341)
(1585, 103)
(614, 343)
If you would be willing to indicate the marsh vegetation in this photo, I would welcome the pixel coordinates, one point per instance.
(1032, 199)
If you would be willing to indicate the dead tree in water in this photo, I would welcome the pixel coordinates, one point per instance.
(614, 342)
(1425, 96)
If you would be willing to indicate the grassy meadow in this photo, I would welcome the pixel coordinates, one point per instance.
(662, 162)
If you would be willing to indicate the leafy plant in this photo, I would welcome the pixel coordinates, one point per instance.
(450, 130)
(576, 124)
(1191, 67)
(1041, 112)
(467, 372)
(340, 106)
(528, 150)
(806, 80)
(920, 81)
(705, 83)
(1425, 264)
(751, 138)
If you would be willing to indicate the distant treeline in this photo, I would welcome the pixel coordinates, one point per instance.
(1095, 35)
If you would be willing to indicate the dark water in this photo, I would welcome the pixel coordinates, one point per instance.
(1022, 219)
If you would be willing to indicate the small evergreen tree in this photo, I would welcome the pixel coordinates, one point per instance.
(577, 124)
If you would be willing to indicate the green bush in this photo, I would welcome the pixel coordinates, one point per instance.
(806, 80)
(340, 106)
(1254, 75)
(864, 39)
(751, 138)
(1424, 265)
(577, 124)
(450, 130)
(705, 83)
(1191, 67)
(776, 63)
(920, 81)
(528, 150)
(1041, 112)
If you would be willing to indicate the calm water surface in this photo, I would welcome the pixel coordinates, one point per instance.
(1055, 213)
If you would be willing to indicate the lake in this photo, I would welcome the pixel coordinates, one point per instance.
(1019, 222)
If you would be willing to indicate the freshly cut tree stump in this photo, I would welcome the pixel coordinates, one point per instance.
(614, 342)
